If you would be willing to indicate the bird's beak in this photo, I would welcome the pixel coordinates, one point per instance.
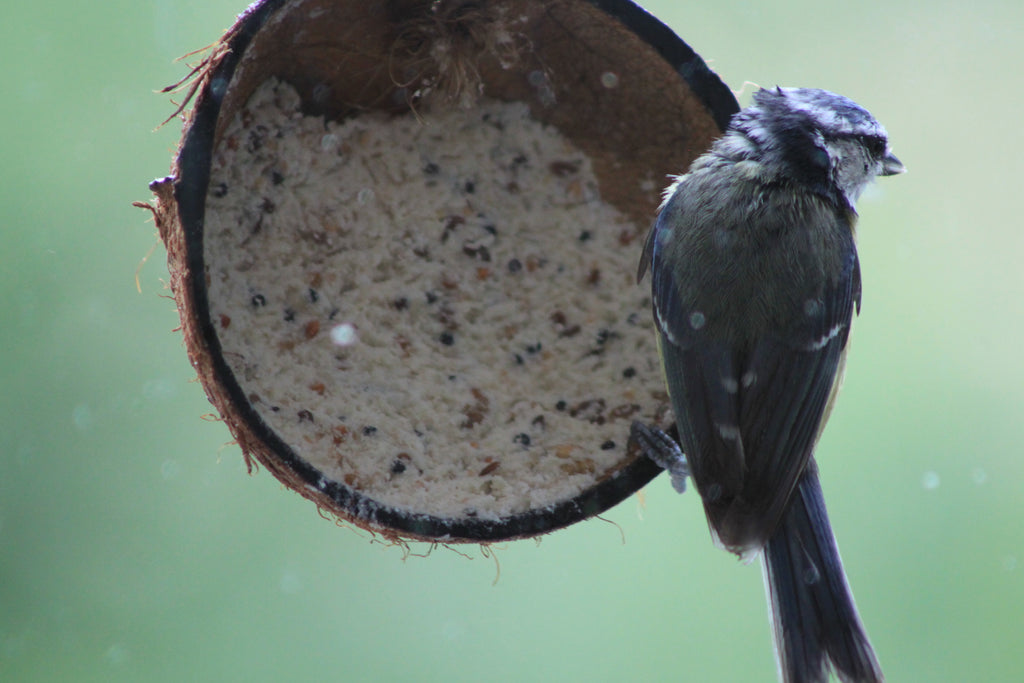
(892, 166)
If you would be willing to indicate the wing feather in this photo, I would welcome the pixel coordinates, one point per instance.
(749, 414)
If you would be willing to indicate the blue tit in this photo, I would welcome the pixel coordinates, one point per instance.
(755, 282)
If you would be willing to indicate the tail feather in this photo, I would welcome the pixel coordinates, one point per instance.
(814, 619)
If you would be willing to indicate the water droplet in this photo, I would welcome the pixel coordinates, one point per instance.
(218, 86)
(697, 320)
(344, 334)
(117, 654)
(290, 582)
(328, 142)
(811, 575)
(453, 630)
(170, 469)
(81, 417)
(545, 93)
(610, 79)
(158, 389)
(930, 480)
(321, 92)
(364, 195)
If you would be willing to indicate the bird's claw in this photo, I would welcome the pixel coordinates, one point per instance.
(663, 451)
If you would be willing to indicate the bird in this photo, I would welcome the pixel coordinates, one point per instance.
(755, 281)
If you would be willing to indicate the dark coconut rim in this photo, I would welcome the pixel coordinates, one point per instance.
(185, 193)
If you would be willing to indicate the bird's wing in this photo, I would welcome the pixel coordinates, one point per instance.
(748, 418)
(785, 387)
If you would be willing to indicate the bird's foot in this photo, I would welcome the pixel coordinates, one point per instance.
(664, 451)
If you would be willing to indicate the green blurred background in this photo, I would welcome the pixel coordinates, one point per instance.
(134, 547)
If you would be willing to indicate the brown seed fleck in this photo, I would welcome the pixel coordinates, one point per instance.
(404, 344)
(340, 434)
(563, 168)
(574, 190)
(582, 466)
(564, 451)
(624, 411)
(475, 412)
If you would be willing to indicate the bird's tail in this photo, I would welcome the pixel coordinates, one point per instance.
(814, 619)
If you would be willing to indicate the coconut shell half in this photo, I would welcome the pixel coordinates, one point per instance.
(447, 345)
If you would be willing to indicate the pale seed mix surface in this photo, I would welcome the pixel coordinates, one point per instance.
(437, 310)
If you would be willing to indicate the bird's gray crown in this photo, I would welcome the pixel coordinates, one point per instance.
(832, 114)
(782, 119)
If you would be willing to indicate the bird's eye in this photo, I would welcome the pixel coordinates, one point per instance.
(875, 145)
